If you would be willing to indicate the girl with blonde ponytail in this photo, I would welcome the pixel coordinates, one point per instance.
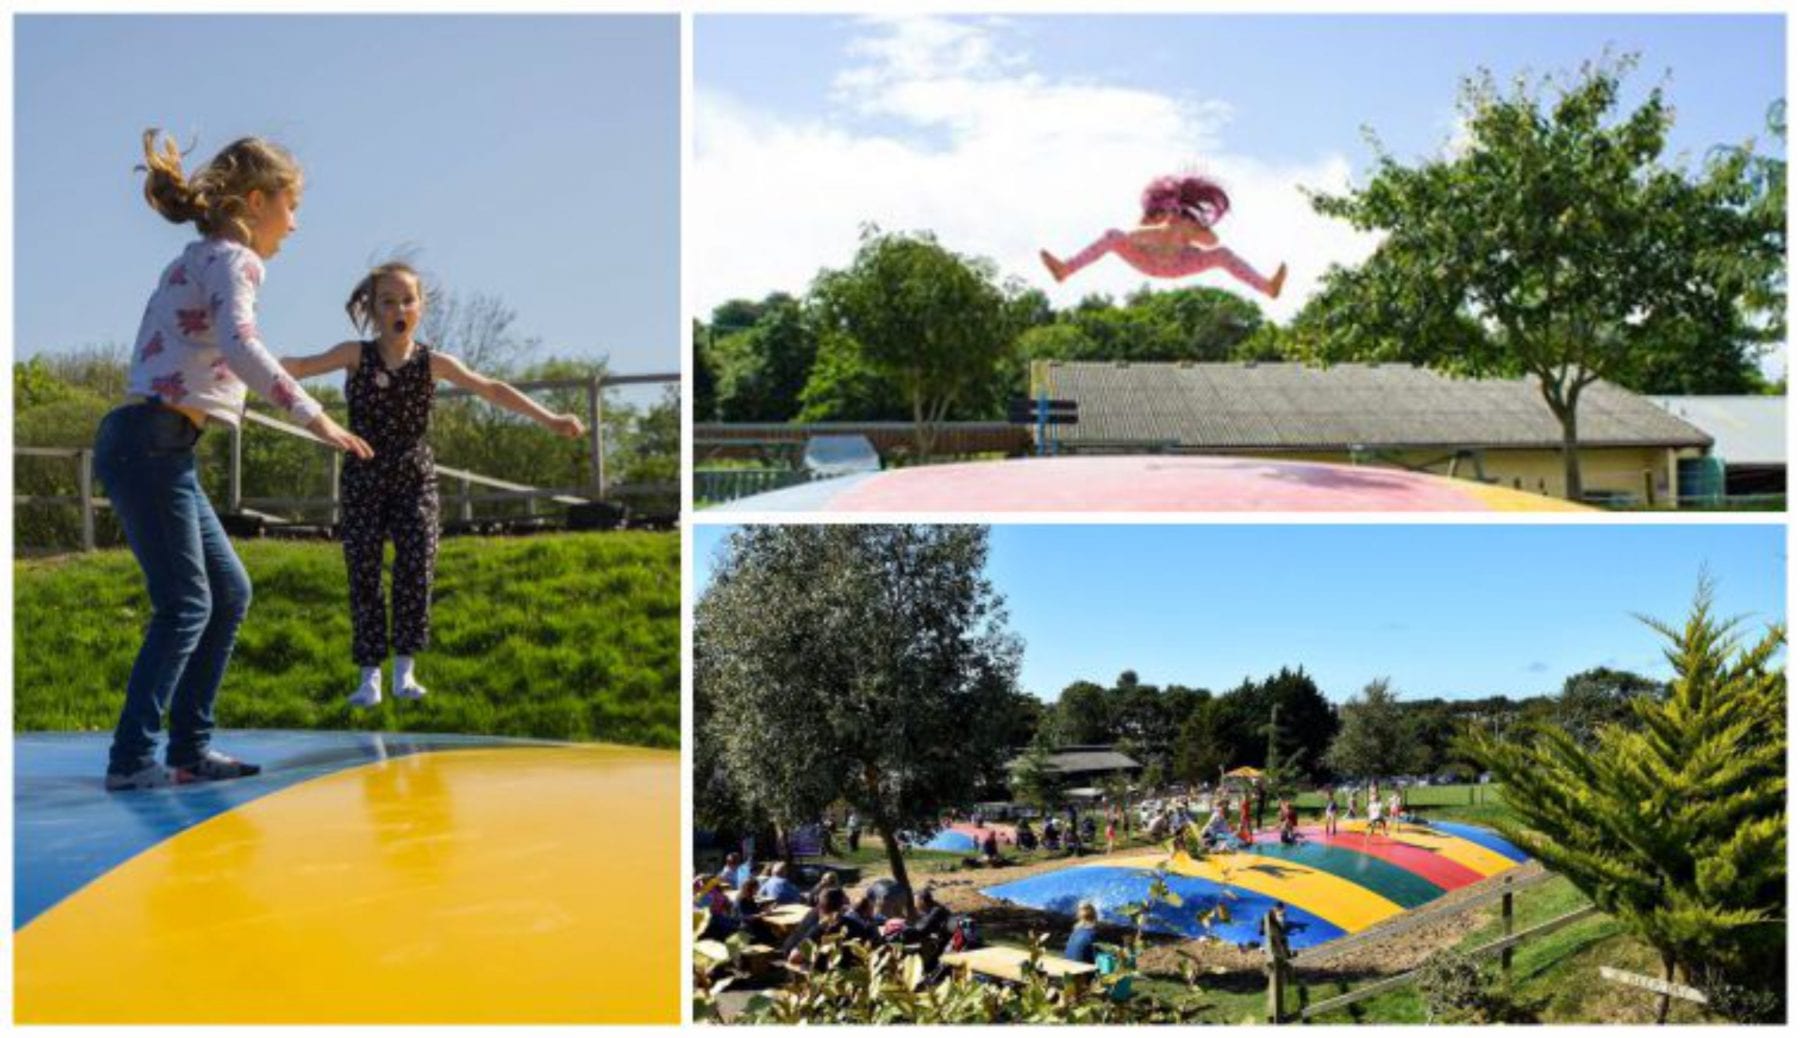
(197, 352)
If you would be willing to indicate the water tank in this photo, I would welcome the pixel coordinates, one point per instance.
(1700, 481)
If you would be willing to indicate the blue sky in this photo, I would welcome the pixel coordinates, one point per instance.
(1464, 610)
(534, 159)
(1009, 134)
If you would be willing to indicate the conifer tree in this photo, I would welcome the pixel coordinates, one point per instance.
(1677, 828)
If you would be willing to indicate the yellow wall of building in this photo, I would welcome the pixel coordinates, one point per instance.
(1633, 471)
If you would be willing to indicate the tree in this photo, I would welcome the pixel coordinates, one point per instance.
(1555, 245)
(868, 663)
(932, 322)
(1202, 752)
(1678, 830)
(760, 371)
(1083, 717)
(1035, 780)
(1306, 713)
(843, 386)
(478, 330)
(1601, 696)
(1376, 737)
(706, 392)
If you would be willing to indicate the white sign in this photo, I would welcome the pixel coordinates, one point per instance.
(1661, 987)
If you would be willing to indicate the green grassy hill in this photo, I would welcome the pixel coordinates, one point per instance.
(565, 636)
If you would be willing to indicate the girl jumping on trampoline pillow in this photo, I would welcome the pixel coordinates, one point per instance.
(1175, 239)
(390, 387)
(197, 348)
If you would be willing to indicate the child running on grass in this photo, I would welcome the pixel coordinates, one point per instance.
(197, 348)
(1175, 238)
(391, 384)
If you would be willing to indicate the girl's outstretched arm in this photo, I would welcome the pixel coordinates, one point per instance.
(496, 392)
(339, 357)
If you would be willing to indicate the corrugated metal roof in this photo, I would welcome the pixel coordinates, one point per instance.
(1085, 760)
(1297, 407)
(1746, 430)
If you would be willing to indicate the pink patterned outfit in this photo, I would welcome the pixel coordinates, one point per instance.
(198, 345)
(1190, 259)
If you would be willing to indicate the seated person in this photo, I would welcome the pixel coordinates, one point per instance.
(779, 889)
(831, 918)
(1087, 930)
(930, 932)
(746, 910)
(1027, 838)
(829, 881)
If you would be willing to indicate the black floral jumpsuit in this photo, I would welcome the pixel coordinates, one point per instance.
(393, 495)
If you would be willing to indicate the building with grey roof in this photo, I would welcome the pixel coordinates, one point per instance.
(1496, 430)
(1749, 437)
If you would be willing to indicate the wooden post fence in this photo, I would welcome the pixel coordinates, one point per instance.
(1504, 944)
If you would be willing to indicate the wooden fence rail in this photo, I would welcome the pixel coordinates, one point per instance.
(1502, 946)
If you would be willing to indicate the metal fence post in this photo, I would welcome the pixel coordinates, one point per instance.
(597, 439)
(335, 493)
(234, 497)
(468, 503)
(85, 476)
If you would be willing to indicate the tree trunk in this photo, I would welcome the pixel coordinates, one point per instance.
(1571, 454)
(897, 862)
(885, 825)
(922, 429)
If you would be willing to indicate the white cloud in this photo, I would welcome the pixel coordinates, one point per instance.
(938, 126)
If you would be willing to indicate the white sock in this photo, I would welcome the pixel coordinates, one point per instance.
(369, 692)
(406, 686)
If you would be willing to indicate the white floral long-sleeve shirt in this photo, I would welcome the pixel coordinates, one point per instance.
(198, 345)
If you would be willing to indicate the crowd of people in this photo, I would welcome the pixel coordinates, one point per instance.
(739, 898)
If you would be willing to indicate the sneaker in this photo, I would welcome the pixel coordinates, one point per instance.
(366, 696)
(411, 690)
(150, 776)
(214, 766)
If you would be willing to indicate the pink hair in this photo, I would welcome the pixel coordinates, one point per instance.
(1192, 196)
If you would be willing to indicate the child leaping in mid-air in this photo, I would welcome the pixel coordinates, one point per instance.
(1175, 238)
(392, 382)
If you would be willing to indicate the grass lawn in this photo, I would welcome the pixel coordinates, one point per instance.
(562, 636)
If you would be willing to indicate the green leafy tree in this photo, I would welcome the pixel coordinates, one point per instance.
(1307, 714)
(760, 371)
(1083, 717)
(930, 321)
(1556, 244)
(843, 386)
(1601, 696)
(867, 663)
(706, 383)
(1202, 751)
(1376, 737)
(1677, 829)
(1035, 780)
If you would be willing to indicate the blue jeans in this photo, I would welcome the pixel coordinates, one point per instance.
(199, 592)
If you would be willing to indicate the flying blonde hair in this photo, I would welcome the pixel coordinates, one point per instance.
(216, 197)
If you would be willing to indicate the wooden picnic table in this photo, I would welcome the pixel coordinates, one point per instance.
(785, 919)
(1010, 964)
